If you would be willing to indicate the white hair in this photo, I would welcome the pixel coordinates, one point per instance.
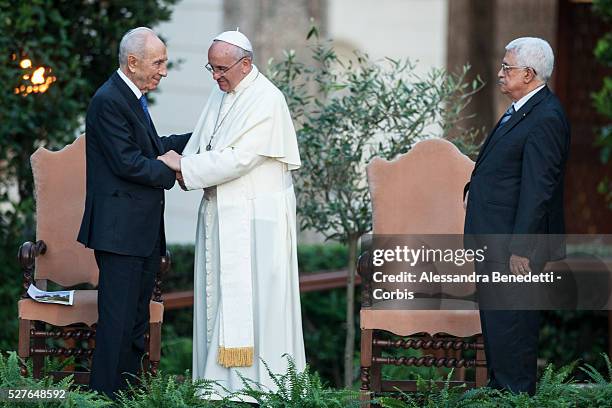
(133, 42)
(534, 53)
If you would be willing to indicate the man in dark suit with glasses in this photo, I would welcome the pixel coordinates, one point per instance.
(516, 191)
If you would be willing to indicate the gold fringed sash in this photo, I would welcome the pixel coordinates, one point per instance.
(235, 357)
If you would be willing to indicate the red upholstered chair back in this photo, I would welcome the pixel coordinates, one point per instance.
(59, 181)
(419, 193)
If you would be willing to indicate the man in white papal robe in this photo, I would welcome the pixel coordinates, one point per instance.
(246, 290)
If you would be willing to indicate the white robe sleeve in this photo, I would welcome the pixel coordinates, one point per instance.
(214, 167)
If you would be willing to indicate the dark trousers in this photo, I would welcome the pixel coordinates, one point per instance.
(124, 291)
(510, 336)
(511, 348)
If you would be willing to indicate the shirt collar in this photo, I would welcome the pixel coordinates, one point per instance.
(519, 104)
(130, 84)
(247, 80)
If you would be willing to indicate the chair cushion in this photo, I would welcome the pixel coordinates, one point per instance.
(84, 310)
(460, 323)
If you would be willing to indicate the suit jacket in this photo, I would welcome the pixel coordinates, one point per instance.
(517, 183)
(124, 202)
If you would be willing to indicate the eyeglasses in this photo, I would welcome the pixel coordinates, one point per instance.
(506, 68)
(221, 71)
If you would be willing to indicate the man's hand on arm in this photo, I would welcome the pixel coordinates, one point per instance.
(519, 265)
(171, 159)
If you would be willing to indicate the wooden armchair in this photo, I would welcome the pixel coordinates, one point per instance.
(56, 256)
(419, 193)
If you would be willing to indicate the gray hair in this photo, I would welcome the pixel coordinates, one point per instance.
(133, 42)
(535, 53)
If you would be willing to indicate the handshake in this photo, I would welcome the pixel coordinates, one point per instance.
(173, 160)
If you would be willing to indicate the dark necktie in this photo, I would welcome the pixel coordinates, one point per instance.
(498, 131)
(507, 115)
(143, 103)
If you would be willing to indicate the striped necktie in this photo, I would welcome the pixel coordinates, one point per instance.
(145, 108)
(507, 115)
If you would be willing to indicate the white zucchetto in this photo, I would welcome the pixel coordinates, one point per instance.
(235, 38)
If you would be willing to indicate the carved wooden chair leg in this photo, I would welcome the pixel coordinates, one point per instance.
(376, 371)
(481, 367)
(23, 349)
(38, 362)
(365, 391)
(145, 363)
(154, 346)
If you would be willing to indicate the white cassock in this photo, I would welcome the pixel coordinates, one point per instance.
(246, 255)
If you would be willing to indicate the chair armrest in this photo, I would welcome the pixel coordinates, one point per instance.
(364, 269)
(164, 267)
(28, 251)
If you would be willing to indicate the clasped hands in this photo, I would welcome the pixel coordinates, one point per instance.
(173, 160)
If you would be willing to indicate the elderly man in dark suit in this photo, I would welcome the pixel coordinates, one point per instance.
(516, 189)
(123, 218)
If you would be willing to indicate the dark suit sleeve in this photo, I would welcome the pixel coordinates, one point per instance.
(543, 158)
(124, 155)
(175, 142)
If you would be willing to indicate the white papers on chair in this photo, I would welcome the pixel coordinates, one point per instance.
(61, 297)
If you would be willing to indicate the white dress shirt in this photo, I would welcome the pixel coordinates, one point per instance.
(129, 83)
(519, 104)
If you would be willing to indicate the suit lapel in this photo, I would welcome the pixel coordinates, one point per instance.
(486, 143)
(134, 104)
(498, 133)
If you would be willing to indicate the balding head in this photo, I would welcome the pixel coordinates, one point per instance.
(143, 58)
(134, 42)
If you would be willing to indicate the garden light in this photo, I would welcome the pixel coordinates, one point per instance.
(39, 79)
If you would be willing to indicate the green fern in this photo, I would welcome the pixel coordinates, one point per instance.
(595, 375)
(556, 389)
(10, 377)
(56, 364)
(9, 370)
(298, 389)
(388, 402)
(168, 391)
(482, 397)
(429, 394)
